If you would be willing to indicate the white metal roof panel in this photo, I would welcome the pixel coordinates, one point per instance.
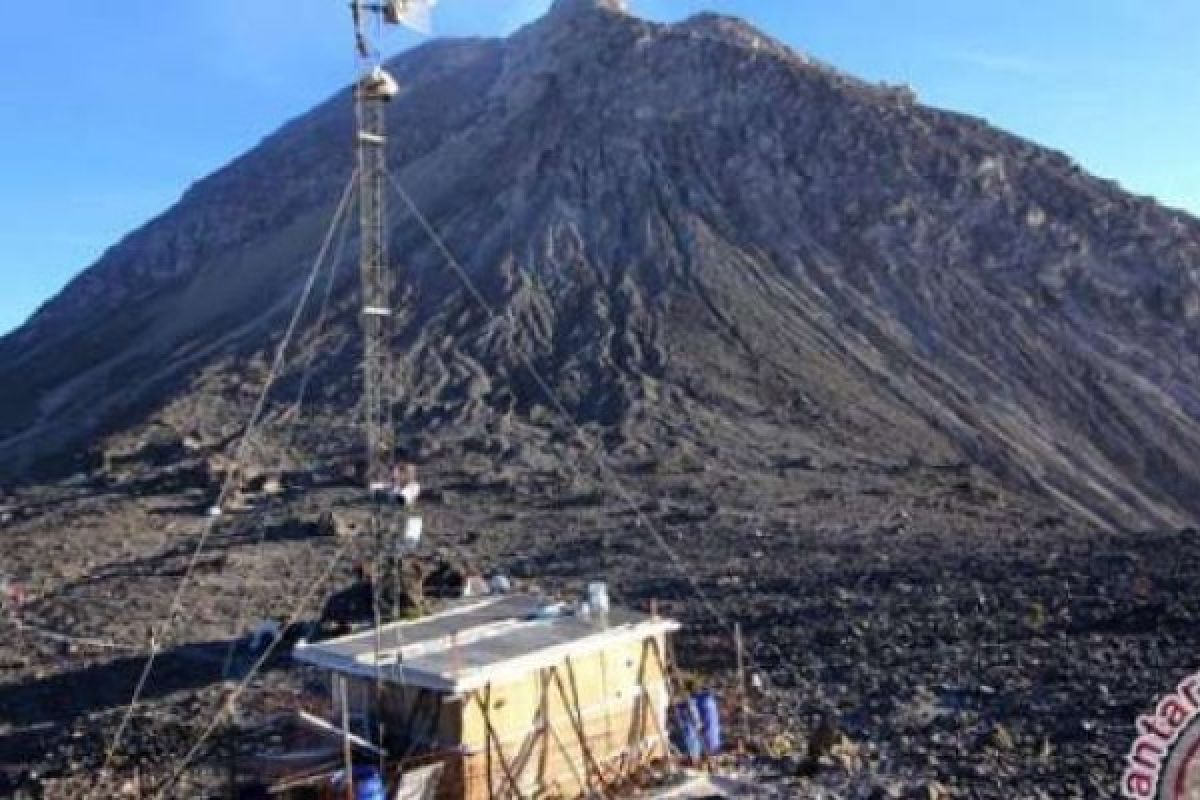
(475, 642)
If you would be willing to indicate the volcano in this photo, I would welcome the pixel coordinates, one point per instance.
(706, 242)
(910, 400)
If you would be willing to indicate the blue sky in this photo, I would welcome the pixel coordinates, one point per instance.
(109, 110)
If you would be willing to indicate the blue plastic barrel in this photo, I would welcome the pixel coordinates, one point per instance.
(368, 785)
(685, 730)
(710, 721)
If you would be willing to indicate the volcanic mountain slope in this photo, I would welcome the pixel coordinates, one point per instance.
(705, 241)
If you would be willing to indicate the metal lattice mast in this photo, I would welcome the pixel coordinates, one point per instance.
(374, 90)
(372, 95)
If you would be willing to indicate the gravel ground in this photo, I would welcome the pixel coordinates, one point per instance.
(912, 627)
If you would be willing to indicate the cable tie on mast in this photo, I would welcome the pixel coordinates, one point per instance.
(377, 311)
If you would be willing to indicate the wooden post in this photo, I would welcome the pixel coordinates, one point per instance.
(637, 731)
(233, 762)
(575, 716)
(547, 728)
(551, 732)
(380, 725)
(743, 692)
(346, 749)
(485, 705)
(650, 646)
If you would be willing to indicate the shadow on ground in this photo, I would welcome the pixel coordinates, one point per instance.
(63, 697)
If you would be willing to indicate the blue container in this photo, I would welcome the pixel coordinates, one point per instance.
(710, 721)
(368, 785)
(685, 730)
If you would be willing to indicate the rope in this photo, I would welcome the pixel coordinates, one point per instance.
(397, 670)
(301, 394)
(83, 641)
(298, 610)
(164, 628)
(593, 452)
(13, 610)
(592, 448)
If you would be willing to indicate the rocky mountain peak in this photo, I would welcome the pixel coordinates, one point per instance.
(564, 7)
(579, 14)
(737, 32)
(697, 233)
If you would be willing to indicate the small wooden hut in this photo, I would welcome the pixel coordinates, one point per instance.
(512, 697)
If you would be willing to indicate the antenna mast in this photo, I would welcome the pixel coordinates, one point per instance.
(371, 95)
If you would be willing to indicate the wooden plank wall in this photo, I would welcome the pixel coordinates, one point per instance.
(584, 723)
(587, 722)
